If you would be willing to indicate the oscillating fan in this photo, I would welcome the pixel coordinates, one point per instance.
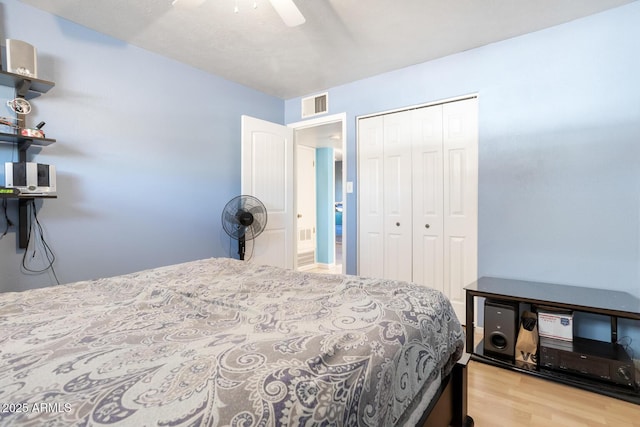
(244, 218)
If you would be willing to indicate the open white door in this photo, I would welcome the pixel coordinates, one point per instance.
(306, 206)
(267, 173)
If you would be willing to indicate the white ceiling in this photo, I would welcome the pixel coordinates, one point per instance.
(341, 41)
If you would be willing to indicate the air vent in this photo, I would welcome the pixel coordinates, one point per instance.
(314, 105)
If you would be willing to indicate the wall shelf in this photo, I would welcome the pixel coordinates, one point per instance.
(28, 88)
(24, 142)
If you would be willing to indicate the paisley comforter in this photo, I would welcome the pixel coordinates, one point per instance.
(220, 342)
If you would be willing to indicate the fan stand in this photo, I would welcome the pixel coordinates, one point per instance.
(241, 247)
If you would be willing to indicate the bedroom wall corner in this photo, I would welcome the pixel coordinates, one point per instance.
(147, 152)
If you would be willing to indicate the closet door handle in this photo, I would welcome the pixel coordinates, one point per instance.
(397, 224)
(427, 226)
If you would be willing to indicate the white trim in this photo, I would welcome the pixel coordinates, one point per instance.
(302, 124)
(308, 267)
(325, 266)
(333, 118)
(413, 107)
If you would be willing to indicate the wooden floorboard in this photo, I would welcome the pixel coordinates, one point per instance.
(502, 398)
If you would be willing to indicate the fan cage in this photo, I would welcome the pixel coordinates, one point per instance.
(231, 221)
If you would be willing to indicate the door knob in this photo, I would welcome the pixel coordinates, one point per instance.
(299, 215)
(397, 224)
(426, 226)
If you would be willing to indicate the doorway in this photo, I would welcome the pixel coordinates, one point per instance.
(326, 136)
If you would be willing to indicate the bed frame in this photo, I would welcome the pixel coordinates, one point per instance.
(449, 406)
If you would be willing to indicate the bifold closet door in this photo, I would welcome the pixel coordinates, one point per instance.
(428, 197)
(460, 145)
(418, 191)
(384, 188)
(397, 191)
(370, 194)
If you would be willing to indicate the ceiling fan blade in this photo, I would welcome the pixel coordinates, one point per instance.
(289, 12)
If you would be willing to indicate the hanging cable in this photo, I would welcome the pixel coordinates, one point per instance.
(38, 237)
(253, 243)
(7, 220)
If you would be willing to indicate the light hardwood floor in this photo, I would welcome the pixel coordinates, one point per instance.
(502, 398)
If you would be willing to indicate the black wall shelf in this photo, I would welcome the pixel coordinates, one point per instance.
(13, 138)
(28, 88)
(24, 142)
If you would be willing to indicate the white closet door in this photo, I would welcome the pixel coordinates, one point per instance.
(397, 196)
(370, 193)
(418, 191)
(460, 120)
(428, 224)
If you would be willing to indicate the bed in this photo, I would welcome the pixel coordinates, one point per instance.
(220, 342)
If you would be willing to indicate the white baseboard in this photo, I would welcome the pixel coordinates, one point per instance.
(325, 266)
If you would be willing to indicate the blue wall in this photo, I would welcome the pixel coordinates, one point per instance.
(325, 215)
(148, 152)
(559, 158)
(559, 155)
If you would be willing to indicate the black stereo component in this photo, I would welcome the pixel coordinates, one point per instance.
(594, 359)
(500, 328)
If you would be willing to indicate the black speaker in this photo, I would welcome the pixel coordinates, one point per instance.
(500, 328)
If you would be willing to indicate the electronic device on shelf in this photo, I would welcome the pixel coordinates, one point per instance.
(22, 58)
(590, 358)
(8, 192)
(32, 179)
(500, 328)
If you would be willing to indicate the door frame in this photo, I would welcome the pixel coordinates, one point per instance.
(301, 176)
(304, 124)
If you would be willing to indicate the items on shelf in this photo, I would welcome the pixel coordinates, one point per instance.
(19, 105)
(8, 192)
(12, 122)
(22, 58)
(26, 87)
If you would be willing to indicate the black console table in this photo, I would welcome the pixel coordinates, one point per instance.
(614, 304)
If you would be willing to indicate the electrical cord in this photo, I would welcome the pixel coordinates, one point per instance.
(7, 220)
(48, 253)
(253, 244)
